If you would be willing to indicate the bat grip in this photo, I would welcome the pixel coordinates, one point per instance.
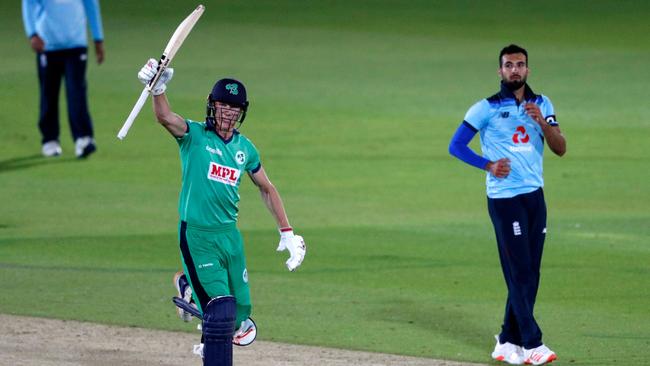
(134, 113)
(162, 65)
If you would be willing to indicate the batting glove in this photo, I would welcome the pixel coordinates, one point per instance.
(147, 73)
(295, 244)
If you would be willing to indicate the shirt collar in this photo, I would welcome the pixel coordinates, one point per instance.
(235, 132)
(505, 93)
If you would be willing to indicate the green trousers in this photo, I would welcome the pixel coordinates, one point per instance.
(215, 264)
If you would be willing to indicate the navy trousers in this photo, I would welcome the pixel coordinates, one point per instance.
(520, 227)
(70, 65)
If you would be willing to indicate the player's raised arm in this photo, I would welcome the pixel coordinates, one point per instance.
(174, 123)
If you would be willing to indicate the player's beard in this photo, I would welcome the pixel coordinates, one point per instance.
(224, 127)
(513, 85)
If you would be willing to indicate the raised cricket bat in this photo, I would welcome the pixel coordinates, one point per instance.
(168, 54)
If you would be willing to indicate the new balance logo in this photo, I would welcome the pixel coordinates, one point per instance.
(516, 229)
(223, 174)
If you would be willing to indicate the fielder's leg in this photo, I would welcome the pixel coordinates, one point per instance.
(510, 220)
(76, 86)
(50, 72)
(76, 92)
(537, 213)
(218, 329)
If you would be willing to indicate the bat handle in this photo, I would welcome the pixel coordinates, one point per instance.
(134, 113)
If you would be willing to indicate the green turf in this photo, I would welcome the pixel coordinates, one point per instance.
(353, 104)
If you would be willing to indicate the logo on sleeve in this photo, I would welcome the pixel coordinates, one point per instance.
(240, 157)
(223, 174)
(551, 121)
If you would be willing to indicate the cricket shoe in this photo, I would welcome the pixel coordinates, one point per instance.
(184, 292)
(84, 146)
(244, 336)
(539, 355)
(197, 349)
(246, 333)
(51, 148)
(508, 352)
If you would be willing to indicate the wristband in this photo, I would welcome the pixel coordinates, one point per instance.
(286, 232)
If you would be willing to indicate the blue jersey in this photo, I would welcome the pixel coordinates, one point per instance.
(62, 23)
(508, 132)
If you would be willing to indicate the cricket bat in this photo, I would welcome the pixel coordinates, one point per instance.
(173, 45)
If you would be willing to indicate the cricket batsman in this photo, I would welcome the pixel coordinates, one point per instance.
(214, 154)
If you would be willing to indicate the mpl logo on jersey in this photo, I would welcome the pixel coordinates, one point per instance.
(223, 174)
(520, 137)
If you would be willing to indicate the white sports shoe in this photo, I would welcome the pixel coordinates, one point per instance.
(539, 355)
(185, 292)
(244, 336)
(84, 146)
(51, 148)
(508, 352)
(246, 333)
(197, 349)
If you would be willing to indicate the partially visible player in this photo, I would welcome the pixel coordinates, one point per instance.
(57, 33)
(514, 124)
(214, 155)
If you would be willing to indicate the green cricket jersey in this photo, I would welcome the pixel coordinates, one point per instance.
(212, 171)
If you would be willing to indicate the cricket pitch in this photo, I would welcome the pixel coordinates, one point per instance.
(26, 341)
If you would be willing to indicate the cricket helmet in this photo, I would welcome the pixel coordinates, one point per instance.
(229, 91)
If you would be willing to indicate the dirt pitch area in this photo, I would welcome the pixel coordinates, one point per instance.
(28, 341)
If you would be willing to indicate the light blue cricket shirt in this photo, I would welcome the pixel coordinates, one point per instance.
(62, 23)
(508, 132)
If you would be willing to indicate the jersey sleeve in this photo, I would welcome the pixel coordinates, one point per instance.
(253, 163)
(29, 16)
(458, 146)
(548, 111)
(477, 115)
(94, 19)
(192, 129)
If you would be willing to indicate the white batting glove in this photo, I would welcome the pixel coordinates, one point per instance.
(147, 73)
(295, 244)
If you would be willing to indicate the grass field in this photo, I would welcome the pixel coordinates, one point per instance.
(352, 107)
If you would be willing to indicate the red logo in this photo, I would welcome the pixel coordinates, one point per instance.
(223, 174)
(520, 136)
